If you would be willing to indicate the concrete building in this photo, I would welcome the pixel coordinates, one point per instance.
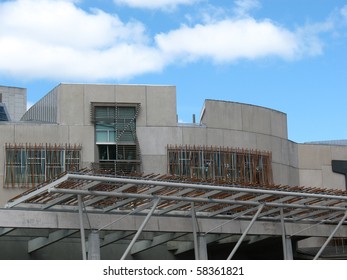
(133, 128)
(14, 99)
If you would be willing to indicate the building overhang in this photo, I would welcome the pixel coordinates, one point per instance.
(176, 206)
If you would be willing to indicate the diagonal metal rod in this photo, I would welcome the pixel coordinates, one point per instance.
(227, 222)
(136, 210)
(195, 234)
(245, 232)
(139, 231)
(83, 238)
(330, 237)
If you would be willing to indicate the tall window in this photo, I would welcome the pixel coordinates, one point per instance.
(30, 165)
(235, 165)
(115, 136)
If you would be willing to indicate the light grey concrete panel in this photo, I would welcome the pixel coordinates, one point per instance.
(71, 104)
(338, 152)
(268, 143)
(154, 164)
(331, 179)
(221, 114)
(8, 193)
(83, 135)
(293, 154)
(194, 136)
(133, 94)
(215, 137)
(7, 133)
(41, 134)
(279, 124)
(314, 156)
(154, 140)
(239, 139)
(161, 106)
(96, 93)
(256, 119)
(311, 178)
(285, 175)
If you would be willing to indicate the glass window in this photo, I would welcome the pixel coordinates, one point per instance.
(31, 165)
(115, 124)
(220, 163)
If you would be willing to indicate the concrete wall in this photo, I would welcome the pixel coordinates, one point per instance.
(226, 124)
(15, 100)
(252, 127)
(158, 103)
(315, 165)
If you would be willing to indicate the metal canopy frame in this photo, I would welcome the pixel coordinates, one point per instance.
(177, 196)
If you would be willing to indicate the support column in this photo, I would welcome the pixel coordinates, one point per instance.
(289, 249)
(83, 238)
(202, 247)
(139, 231)
(94, 246)
(245, 232)
(286, 240)
(195, 234)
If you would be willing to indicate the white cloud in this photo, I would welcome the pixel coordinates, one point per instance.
(230, 39)
(155, 4)
(343, 12)
(56, 39)
(243, 7)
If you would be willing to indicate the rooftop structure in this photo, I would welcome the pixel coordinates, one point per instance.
(74, 155)
(14, 99)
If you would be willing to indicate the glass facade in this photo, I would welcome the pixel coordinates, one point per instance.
(30, 165)
(4, 116)
(115, 136)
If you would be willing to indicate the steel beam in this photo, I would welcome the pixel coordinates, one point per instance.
(41, 242)
(232, 188)
(144, 245)
(182, 246)
(194, 199)
(4, 231)
(139, 231)
(245, 232)
(67, 196)
(114, 237)
(36, 192)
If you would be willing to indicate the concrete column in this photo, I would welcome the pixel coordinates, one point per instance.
(83, 239)
(202, 245)
(289, 248)
(94, 246)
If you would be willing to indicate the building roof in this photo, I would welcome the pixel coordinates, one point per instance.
(342, 142)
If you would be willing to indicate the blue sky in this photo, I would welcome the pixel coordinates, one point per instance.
(289, 55)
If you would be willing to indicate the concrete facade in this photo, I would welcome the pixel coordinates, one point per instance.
(15, 100)
(64, 116)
